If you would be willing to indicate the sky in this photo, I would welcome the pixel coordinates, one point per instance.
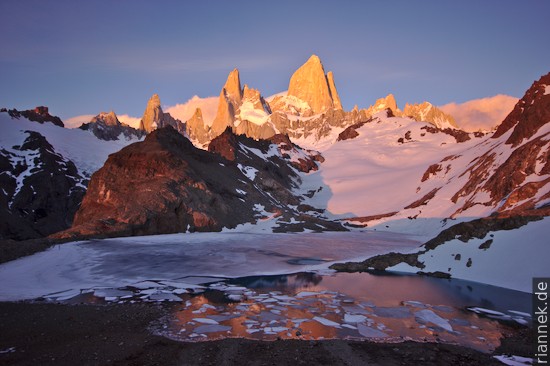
(83, 57)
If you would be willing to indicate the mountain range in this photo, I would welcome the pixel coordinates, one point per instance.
(292, 162)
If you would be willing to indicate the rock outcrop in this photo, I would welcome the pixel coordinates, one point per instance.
(310, 84)
(332, 87)
(41, 190)
(106, 126)
(154, 117)
(38, 114)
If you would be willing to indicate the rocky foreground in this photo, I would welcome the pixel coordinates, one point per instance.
(55, 334)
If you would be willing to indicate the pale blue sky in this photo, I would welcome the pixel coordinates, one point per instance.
(83, 57)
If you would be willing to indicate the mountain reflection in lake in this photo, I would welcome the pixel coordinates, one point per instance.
(359, 305)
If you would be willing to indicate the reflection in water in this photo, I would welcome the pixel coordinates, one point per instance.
(279, 282)
(361, 305)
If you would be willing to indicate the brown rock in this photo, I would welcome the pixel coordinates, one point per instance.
(161, 185)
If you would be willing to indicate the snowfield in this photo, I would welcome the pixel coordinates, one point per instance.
(512, 260)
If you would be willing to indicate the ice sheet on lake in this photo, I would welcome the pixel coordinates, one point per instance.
(429, 316)
(326, 321)
(151, 261)
(212, 328)
(369, 332)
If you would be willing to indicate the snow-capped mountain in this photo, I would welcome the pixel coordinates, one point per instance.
(106, 126)
(309, 112)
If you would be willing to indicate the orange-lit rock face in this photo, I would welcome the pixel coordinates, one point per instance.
(229, 101)
(309, 83)
(154, 118)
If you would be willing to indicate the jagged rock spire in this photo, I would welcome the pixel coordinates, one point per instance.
(230, 100)
(310, 84)
(152, 116)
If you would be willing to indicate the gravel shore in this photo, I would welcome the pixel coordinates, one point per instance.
(60, 334)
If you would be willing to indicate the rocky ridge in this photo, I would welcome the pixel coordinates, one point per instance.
(39, 114)
(176, 187)
(41, 190)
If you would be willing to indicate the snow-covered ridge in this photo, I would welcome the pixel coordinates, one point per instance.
(84, 149)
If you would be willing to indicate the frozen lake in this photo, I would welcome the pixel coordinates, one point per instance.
(119, 262)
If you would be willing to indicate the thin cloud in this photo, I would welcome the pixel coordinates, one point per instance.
(77, 121)
(481, 114)
(129, 120)
(185, 111)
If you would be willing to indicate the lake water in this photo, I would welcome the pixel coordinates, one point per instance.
(355, 306)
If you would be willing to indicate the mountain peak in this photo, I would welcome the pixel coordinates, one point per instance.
(154, 101)
(427, 112)
(233, 86)
(310, 84)
(230, 99)
(314, 59)
(109, 119)
(384, 103)
(154, 117)
(152, 114)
